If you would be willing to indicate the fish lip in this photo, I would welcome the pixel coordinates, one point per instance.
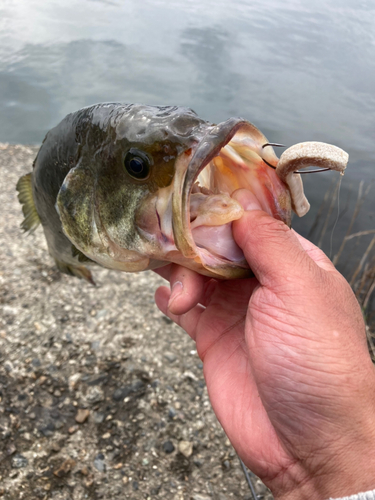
(210, 145)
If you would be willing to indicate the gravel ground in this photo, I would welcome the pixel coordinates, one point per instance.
(101, 397)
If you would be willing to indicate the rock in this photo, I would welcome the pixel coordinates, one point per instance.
(19, 461)
(48, 429)
(170, 357)
(201, 497)
(55, 447)
(97, 379)
(82, 416)
(74, 379)
(221, 496)
(64, 468)
(121, 393)
(226, 465)
(98, 417)
(136, 387)
(99, 463)
(168, 447)
(172, 413)
(11, 449)
(185, 448)
(95, 395)
(8, 366)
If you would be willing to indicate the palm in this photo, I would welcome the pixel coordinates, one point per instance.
(277, 354)
(221, 342)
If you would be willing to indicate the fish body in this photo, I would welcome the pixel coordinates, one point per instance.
(135, 187)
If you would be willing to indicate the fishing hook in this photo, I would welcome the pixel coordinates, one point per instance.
(297, 171)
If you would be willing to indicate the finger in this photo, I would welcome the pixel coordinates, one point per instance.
(164, 271)
(272, 250)
(188, 321)
(188, 288)
(315, 253)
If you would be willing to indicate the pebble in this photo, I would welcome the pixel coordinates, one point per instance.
(41, 380)
(55, 447)
(74, 379)
(98, 417)
(95, 395)
(168, 447)
(8, 366)
(226, 464)
(99, 463)
(185, 448)
(64, 468)
(172, 413)
(19, 461)
(169, 356)
(135, 485)
(11, 449)
(82, 416)
(48, 429)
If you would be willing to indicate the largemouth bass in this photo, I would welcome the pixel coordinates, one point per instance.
(135, 187)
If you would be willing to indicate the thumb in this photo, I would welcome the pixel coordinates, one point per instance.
(272, 250)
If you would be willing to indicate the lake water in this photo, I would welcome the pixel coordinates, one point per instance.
(298, 70)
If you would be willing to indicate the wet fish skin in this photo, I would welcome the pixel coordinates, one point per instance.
(85, 153)
(133, 187)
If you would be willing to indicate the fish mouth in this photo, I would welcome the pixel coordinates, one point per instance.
(230, 156)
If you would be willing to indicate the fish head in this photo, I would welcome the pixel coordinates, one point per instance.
(153, 185)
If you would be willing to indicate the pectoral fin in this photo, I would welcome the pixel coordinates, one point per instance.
(25, 197)
(80, 272)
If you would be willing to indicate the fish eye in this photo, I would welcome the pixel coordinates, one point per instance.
(137, 164)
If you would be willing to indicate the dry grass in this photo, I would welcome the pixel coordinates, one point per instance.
(355, 257)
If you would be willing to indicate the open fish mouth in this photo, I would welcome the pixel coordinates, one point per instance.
(231, 156)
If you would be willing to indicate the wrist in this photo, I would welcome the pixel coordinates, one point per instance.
(342, 467)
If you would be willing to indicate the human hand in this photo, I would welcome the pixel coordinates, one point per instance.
(285, 361)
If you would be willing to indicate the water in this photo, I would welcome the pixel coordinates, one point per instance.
(298, 70)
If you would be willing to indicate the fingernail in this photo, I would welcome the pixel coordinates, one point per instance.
(175, 291)
(247, 199)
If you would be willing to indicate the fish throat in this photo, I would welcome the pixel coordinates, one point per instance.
(204, 208)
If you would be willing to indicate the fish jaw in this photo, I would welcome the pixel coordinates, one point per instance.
(229, 157)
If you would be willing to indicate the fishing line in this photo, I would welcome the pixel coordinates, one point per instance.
(337, 217)
(248, 479)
